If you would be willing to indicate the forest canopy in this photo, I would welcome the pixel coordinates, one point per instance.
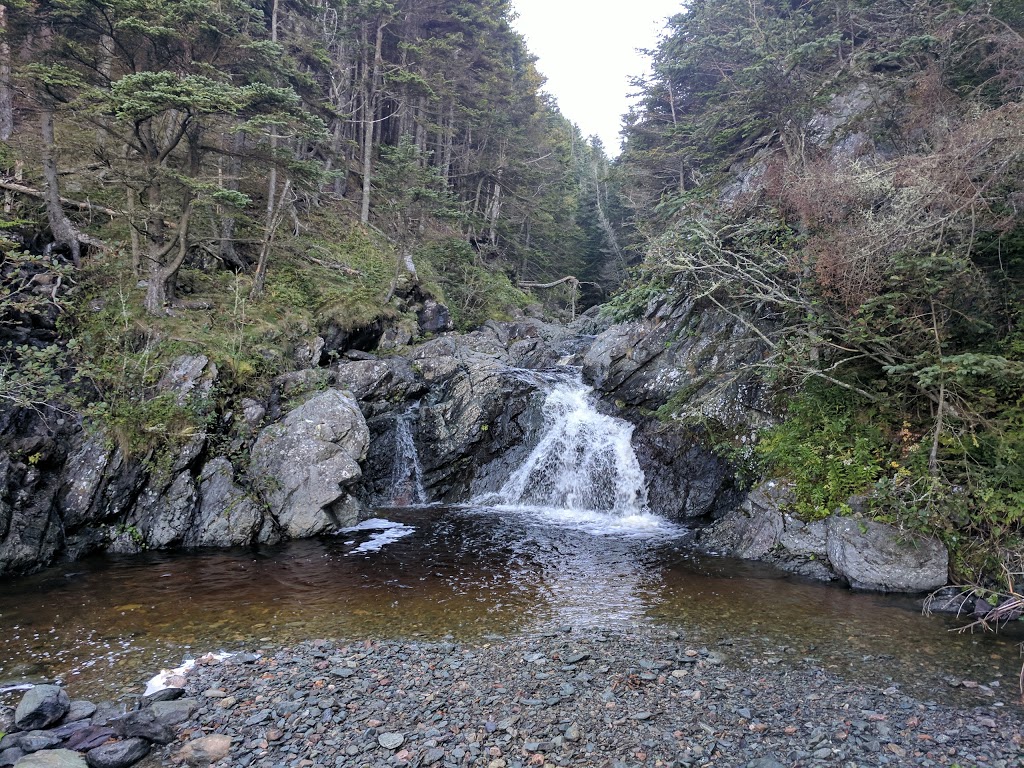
(848, 178)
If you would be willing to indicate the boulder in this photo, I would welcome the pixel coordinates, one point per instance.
(33, 741)
(90, 738)
(41, 706)
(876, 556)
(144, 724)
(228, 516)
(53, 758)
(175, 711)
(760, 529)
(205, 750)
(306, 462)
(80, 709)
(434, 317)
(117, 754)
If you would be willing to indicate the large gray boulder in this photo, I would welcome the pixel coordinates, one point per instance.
(306, 463)
(760, 529)
(864, 553)
(41, 707)
(880, 557)
(53, 758)
(228, 516)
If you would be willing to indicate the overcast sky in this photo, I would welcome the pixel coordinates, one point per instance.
(587, 50)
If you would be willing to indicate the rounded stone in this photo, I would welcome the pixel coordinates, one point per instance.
(391, 740)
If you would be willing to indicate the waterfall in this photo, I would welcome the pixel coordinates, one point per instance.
(583, 462)
(406, 472)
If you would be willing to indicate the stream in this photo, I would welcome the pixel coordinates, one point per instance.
(568, 541)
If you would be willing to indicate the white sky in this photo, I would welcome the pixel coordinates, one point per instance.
(587, 50)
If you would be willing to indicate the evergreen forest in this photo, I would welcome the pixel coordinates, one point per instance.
(235, 177)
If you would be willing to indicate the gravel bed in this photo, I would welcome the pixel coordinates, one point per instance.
(644, 698)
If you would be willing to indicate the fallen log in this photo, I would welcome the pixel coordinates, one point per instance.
(80, 205)
(566, 279)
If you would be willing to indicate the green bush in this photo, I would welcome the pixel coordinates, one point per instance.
(473, 293)
(831, 447)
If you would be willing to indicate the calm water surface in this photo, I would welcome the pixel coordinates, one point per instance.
(104, 625)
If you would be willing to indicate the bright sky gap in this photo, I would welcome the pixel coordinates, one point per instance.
(589, 51)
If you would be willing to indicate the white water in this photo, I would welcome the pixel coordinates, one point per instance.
(383, 532)
(406, 472)
(583, 471)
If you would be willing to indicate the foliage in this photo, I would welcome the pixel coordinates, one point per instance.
(845, 179)
(831, 447)
(474, 293)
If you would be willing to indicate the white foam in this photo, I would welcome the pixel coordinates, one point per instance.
(387, 532)
(598, 523)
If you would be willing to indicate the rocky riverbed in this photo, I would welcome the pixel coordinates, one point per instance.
(639, 698)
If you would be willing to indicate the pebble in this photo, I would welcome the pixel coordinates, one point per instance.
(619, 699)
(391, 740)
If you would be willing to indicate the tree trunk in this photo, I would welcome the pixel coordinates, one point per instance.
(6, 93)
(228, 220)
(448, 139)
(64, 232)
(370, 94)
(274, 216)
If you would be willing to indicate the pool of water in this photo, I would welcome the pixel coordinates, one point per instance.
(103, 625)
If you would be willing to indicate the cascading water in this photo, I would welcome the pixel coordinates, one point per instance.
(406, 472)
(583, 463)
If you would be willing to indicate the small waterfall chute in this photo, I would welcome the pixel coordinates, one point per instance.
(406, 472)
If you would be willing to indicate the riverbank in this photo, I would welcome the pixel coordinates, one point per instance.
(638, 698)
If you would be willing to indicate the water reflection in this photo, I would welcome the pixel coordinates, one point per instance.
(109, 622)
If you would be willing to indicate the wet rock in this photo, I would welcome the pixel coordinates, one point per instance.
(880, 557)
(306, 462)
(53, 758)
(682, 357)
(205, 750)
(118, 754)
(41, 707)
